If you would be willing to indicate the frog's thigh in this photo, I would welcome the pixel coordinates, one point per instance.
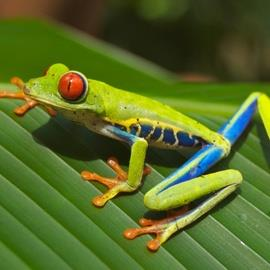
(188, 191)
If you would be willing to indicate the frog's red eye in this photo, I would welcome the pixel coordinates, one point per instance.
(72, 86)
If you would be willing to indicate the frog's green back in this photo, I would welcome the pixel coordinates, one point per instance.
(121, 105)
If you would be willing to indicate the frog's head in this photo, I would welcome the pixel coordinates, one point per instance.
(63, 89)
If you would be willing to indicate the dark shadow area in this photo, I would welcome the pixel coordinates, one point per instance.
(72, 140)
(165, 157)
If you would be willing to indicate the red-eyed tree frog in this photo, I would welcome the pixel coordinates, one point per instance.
(142, 122)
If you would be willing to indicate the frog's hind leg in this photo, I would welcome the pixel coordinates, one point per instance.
(186, 184)
(238, 123)
(224, 181)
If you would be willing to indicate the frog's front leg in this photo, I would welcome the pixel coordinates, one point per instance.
(29, 103)
(135, 171)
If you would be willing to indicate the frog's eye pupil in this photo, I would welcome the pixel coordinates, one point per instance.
(72, 86)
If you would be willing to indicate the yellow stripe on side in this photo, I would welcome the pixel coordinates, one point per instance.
(131, 121)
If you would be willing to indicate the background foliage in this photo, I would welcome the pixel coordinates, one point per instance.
(226, 40)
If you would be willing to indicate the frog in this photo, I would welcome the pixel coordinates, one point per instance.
(142, 122)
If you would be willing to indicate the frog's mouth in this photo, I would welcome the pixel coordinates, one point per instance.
(30, 95)
(40, 100)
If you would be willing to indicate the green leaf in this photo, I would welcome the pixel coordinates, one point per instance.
(46, 219)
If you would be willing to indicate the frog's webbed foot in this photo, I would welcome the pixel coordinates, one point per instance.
(162, 228)
(29, 103)
(114, 185)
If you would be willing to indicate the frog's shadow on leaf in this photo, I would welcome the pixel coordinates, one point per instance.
(72, 140)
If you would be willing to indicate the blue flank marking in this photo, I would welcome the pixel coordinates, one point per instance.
(184, 139)
(145, 130)
(125, 136)
(120, 127)
(168, 136)
(239, 125)
(156, 134)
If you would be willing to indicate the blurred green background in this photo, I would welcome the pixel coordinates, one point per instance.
(199, 40)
